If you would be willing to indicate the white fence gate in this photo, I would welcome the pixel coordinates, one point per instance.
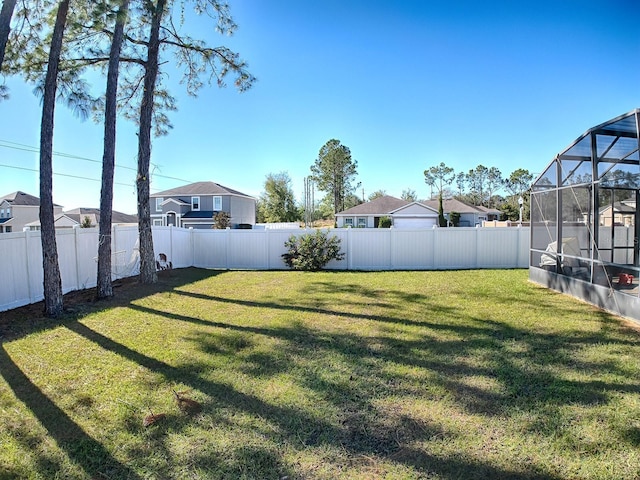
(21, 280)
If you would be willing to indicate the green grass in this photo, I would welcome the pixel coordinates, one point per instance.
(327, 375)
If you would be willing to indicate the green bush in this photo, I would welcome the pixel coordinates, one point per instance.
(385, 222)
(311, 251)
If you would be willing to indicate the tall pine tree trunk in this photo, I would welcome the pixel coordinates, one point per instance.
(5, 25)
(53, 302)
(147, 257)
(105, 288)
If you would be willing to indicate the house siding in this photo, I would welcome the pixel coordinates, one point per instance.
(242, 210)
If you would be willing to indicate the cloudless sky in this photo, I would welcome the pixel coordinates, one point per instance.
(405, 85)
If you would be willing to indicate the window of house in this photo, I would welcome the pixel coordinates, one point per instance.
(1, 212)
(7, 229)
(195, 203)
(348, 222)
(159, 204)
(362, 222)
(217, 203)
(157, 222)
(8, 212)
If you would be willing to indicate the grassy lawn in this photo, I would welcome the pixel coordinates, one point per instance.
(328, 375)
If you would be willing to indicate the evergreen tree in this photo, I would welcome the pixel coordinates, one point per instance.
(334, 171)
(53, 300)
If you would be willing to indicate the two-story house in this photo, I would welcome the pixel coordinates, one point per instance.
(19, 209)
(195, 205)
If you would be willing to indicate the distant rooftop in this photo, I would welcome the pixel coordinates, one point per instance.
(199, 188)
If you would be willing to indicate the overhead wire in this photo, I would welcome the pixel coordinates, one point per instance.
(30, 148)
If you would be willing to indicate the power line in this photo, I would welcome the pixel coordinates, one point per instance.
(29, 148)
(62, 174)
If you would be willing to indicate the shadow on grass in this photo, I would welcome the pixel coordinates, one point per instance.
(83, 450)
(30, 319)
(358, 434)
(362, 432)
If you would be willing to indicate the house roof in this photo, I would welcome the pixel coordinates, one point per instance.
(21, 198)
(199, 188)
(453, 205)
(380, 206)
(200, 214)
(414, 209)
(5, 220)
(174, 200)
(619, 207)
(482, 208)
(78, 215)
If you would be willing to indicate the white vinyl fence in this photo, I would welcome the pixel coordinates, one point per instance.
(21, 280)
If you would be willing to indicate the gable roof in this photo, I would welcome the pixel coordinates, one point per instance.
(453, 205)
(380, 206)
(199, 188)
(415, 209)
(78, 215)
(23, 199)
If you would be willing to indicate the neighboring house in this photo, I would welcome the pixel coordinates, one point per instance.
(19, 209)
(624, 213)
(194, 206)
(403, 214)
(470, 215)
(117, 218)
(75, 217)
(414, 215)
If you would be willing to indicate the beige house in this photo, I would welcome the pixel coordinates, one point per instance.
(18, 209)
(621, 213)
(76, 217)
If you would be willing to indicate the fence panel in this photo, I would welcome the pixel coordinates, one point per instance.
(369, 248)
(412, 249)
(365, 249)
(16, 285)
(497, 248)
(247, 249)
(455, 248)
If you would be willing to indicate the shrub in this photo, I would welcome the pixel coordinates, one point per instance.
(311, 251)
(221, 220)
(385, 222)
(455, 218)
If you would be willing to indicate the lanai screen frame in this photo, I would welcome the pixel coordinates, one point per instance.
(588, 197)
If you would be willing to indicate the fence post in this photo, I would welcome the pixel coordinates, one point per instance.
(76, 233)
(227, 246)
(268, 253)
(477, 249)
(28, 268)
(349, 250)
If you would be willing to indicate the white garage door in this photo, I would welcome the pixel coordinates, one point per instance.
(413, 222)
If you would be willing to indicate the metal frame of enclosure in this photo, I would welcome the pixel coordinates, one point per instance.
(585, 220)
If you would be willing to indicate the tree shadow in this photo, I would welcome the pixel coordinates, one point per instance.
(69, 436)
(527, 375)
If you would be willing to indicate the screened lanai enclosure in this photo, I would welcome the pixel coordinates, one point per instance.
(584, 218)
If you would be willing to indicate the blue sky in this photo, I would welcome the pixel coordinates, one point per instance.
(405, 85)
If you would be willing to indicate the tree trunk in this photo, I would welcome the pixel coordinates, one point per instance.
(104, 286)
(147, 257)
(5, 25)
(53, 302)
